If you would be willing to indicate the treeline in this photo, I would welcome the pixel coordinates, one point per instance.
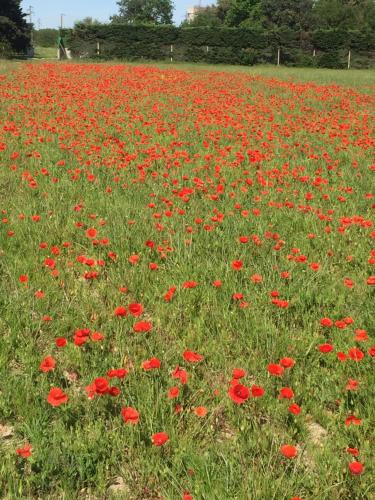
(296, 15)
(225, 45)
(15, 32)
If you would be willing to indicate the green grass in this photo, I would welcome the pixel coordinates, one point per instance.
(111, 147)
(46, 52)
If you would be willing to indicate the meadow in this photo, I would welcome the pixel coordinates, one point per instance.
(187, 267)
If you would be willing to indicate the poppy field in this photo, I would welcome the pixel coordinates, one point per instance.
(187, 285)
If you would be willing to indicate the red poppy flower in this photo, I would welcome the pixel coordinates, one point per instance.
(130, 415)
(239, 393)
(356, 468)
(159, 438)
(352, 385)
(257, 391)
(23, 278)
(61, 342)
(91, 232)
(56, 397)
(287, 362)
(286, 393)
(120, 311)
(97, 336)
(168, 296)
(325, 348)
(135, 309)
(353, 451)
(173, 392)
(326, 322)
(180, 374)
(341, 356)
(295, 409)
(289, 451)
(237, 265)
(47, 364)
(24, 452)
(142, 326)
(151, 364)
(200, 411)
(189, 284)
(355, 354)
(238, 373)
(352, 419)
(133, 259)
(360, 335)
(118, 373)
(101, 385)
(276, 370)
(192, 357)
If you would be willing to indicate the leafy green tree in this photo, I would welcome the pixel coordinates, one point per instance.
(45, 37)
(295, 15)
(14, 30)
(144, 12)
(239, 12)
(207, 16)
(346, 14)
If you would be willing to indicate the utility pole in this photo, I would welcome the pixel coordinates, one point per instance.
(61, 20)
(30, 14)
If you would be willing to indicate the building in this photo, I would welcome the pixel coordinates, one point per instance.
(192, 12)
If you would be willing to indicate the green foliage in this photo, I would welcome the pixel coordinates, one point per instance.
(144, 11)
(87, 21)
(14, 30)
(331, 59)
(226, 45)
(45, 37)
(345, 14)
(207, 16)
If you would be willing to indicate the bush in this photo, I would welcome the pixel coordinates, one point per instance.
(225, 45)
(331, 59)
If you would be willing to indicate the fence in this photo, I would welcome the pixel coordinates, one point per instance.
(323, 48)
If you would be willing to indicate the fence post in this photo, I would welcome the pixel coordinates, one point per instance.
(314, 53)
(206, 48)
(349, 55)
(97, 48)
(278, 56)
(171, 53)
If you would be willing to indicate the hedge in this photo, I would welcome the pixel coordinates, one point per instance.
(222, 45)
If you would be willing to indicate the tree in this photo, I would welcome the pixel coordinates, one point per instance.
(87, 21)
(46, 37)
(15, 33)
(346, 14)
(240, 11)
(295, 15)
(144, 12)
(206, 16)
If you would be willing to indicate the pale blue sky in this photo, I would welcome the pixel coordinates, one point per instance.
(47, 12)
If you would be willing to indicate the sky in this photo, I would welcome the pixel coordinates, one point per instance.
(47, 12)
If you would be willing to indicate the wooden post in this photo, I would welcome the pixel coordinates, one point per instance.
(278, 56)
(98, 48)
(171, 53)
(349, 55)
(314, 53)
(207, 48)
